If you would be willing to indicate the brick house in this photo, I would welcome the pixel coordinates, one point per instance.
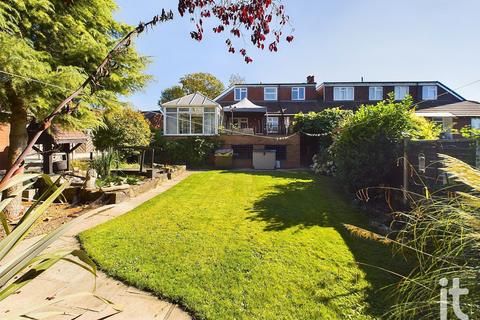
(351, 95)
(259, 116)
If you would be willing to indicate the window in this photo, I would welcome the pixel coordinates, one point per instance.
(475, 123)
(244, 152)
(272, 124)
(429, 92)
(270, 93)
(401, 92)
(281, 151)
(171, 121)
(240, 94)
(240, 123)
(375, 93)
(298, 93)
(191, 121)
(343, 93)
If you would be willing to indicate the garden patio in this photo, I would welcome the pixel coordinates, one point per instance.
(249, 245)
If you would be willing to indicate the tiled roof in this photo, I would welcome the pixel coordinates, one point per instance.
(459, 109)
(64, 136)
(192, 100)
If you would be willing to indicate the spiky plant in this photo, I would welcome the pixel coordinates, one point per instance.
(441, 239)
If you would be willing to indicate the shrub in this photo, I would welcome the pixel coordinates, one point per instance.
(441, 240)
(369, 144)
(324, 124)
(122, 128)
(192, 151)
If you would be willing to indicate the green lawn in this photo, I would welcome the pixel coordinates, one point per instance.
(232, 245)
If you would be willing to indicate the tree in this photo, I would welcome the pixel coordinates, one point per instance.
(122, 128)
(205, 83)
(58, 42)
(236, 79)
(172, 93)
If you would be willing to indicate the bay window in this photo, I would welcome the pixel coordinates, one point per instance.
(191, 121)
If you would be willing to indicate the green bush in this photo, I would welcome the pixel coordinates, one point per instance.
(366, 149)
(192, 151)
(123, 128)
(324, 124)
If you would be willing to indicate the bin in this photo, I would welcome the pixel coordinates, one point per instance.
(264, 159)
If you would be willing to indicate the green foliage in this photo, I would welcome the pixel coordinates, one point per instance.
(192, 151)
(444, 235)
(19, 269)
(264, 245)
(369, 144)
(110, 181)
(122, 128)
(61, 42)
(105, 163)
(205, 83)
(325, 124)
(469, 132)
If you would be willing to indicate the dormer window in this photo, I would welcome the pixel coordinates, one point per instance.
(375, 93)
(240, 94)
(429, 93)
(401, 92)
(343, 93)
(270, 94)
(298, 93)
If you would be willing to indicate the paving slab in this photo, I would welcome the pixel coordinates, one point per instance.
(65, 279)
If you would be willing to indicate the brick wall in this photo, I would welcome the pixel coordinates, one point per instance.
(259, 142)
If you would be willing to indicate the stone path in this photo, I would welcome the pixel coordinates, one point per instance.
(65, 279)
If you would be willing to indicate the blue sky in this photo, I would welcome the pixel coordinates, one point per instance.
(340, 40)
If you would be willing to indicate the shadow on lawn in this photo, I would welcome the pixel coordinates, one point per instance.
(310, 201)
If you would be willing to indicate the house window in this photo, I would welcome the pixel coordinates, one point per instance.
(270, 93)
(272, 124)
(281, 151)
(475, 123)
(240, 123)
(191, 121)
(401, 92)
(298, 93)
(244, 152)
(240, 93)
(429, 92)
(375, 93)
(171, 121)
(343, 93)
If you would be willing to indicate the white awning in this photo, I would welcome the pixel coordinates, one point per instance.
(435, 114)
(245, 105)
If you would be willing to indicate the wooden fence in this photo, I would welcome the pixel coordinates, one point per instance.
(422, 166)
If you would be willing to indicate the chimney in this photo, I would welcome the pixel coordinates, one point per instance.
(311, 79)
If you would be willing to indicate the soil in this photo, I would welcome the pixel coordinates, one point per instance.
(56, 215)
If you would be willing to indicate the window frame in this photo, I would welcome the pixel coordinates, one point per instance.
(269, 130)
(397, 92)
(298, 90)
(472, 120)
(375, 90)
(187, 112)
(426, 91)
(265, 93)
(241, 90)
(342, 93)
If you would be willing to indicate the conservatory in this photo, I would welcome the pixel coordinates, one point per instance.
(191, 115)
